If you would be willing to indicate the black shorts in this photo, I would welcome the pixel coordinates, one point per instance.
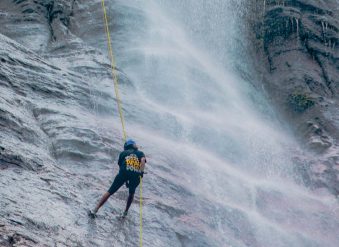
(123, 176)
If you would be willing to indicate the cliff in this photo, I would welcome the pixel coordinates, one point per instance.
(297, 43)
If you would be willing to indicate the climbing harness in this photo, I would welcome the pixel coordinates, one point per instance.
(117, 95)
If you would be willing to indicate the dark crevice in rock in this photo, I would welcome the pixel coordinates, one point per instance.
(315, 86)
(315, 56)
(50, 17)
(54, 13)
(305, 7)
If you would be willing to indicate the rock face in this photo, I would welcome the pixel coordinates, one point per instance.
(298, 43)
(48, 112)
(59, 142)
(58, 146)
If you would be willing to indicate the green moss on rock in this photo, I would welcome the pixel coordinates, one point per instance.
(300, 102)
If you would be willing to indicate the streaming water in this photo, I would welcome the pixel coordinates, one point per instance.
(220, 170)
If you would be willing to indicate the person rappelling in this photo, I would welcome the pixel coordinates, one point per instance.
(131, 169)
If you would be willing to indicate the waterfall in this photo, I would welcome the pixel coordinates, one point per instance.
(221, 169)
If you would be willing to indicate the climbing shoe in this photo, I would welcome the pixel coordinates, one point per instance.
(124, 214)
(92, 214)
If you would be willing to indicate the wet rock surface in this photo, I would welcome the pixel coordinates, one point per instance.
(59, 142)
(298, 44)
(57, 145)
(49, 131)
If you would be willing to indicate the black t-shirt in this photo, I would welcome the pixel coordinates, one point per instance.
(131, 160)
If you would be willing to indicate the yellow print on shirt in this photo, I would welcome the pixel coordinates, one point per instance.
(132, 163)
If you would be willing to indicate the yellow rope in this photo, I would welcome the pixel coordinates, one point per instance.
(116, 89)
(140, 236)
(115, 77)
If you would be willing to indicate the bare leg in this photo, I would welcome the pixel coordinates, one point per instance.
(102, 201)
(129, 201)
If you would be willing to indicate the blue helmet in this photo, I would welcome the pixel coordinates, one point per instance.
(129, 143)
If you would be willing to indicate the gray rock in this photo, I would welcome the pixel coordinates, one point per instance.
(298, 41)
(58, 142)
